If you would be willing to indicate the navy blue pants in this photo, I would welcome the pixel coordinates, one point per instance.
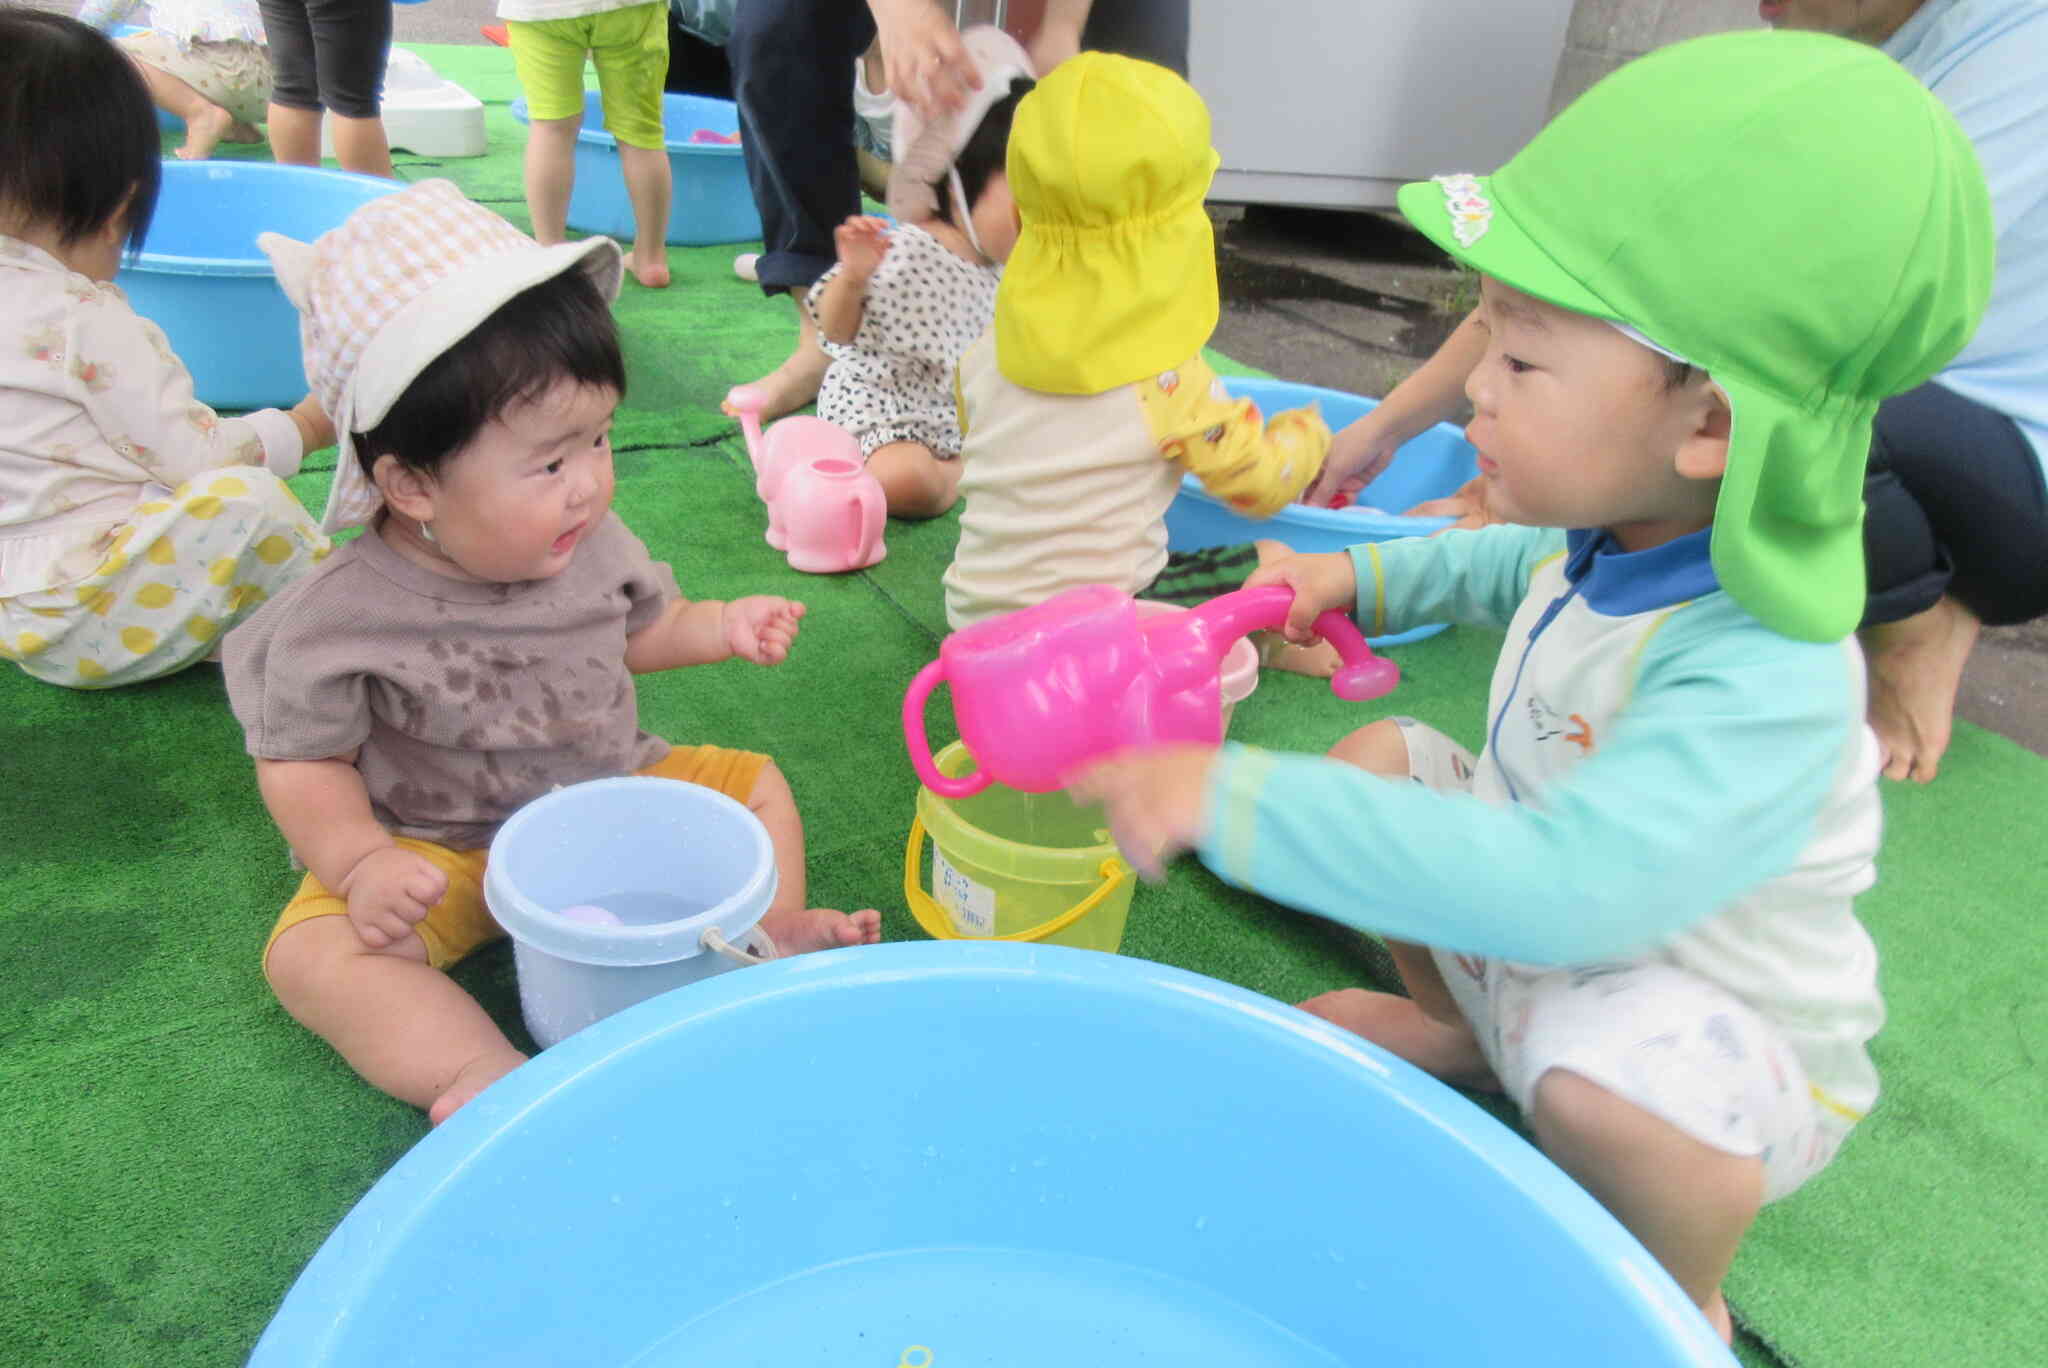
(792, 75)
(1954, 503)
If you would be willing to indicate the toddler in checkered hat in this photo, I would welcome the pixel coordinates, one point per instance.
(462, 656)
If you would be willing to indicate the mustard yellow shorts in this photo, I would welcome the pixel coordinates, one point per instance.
(461, 922)
(630, 48)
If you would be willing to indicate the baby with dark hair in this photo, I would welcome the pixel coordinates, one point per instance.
(475, 647)
(136, 524)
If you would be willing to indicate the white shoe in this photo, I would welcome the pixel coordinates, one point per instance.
(743, 266)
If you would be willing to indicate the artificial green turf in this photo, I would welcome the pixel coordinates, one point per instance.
(173, 1148)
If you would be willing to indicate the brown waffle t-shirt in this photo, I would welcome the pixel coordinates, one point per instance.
(467, 700)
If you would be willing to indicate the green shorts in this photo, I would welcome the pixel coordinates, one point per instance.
(630, 48)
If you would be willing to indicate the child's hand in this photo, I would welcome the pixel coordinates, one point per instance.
(316, 430)
(761, 627)
(389, 890)
(1468, 505)
(1320, 582)
(862, 241)
(1154, 800)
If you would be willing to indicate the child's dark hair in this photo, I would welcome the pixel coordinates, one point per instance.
(1678, 374)
(560, 329)
(79, 143)
(986, 151)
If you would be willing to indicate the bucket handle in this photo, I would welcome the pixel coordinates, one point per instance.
(933, 918)
(921, 749)
(714, 940)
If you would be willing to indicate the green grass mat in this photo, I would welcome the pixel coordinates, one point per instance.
(173, 1148)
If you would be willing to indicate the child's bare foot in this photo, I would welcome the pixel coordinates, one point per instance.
(1396, 1024)
(1319, 661)
(650, 268)
(792, 384)
(801, 930)
(210, 126)
(1916, 666)
(1716, 1312)
(474, 1077)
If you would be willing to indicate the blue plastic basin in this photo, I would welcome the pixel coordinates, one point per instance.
(711, 201)
(1427, 467)
(206, 284)
(1007, 1155)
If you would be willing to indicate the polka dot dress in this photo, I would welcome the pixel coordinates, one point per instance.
(894, 381)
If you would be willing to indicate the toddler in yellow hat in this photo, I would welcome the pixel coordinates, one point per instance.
(1089, 400)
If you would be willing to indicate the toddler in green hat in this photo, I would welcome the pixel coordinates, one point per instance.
(1632, 911)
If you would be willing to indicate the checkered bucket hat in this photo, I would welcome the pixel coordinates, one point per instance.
(402, 280)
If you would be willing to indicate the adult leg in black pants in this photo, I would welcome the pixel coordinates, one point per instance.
(1955, 536)
(792, 64)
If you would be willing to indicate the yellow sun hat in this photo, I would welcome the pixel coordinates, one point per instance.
(1113, 277)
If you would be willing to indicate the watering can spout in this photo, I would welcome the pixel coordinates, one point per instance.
(745, 403)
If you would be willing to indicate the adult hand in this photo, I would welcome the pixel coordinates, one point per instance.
(389, 891)
(1468, 505)
(1154, 800)
(925, 64)
(1320, 581)
(1358, 453)
(761, 627)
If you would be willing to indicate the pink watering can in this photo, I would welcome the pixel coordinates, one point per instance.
(1043, 691)
(824, 508)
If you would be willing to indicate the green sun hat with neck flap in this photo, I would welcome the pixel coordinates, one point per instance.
(1792, 212)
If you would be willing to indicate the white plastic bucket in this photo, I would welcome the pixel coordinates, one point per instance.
(686, 870)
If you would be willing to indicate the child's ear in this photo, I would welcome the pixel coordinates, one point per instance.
(406, 491)
(1703, 455)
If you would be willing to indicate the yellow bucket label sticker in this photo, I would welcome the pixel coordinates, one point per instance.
(970, 906)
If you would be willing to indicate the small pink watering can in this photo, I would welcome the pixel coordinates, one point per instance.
(824, 508)
(1043, 691)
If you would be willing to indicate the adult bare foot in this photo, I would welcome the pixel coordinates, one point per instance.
(650, 268)
(1396, 1024)
(1916, 666)
(203, 129)
(474, 1077)
(801, 930)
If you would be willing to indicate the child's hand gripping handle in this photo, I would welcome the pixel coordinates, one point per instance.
(1363, 675)
(920, 749)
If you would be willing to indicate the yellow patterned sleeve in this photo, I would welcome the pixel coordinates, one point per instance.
(1255, 464)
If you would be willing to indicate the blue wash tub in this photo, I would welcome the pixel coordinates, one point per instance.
(1427, 467)
(203, 280)
(711, 201)
(1003, 1155)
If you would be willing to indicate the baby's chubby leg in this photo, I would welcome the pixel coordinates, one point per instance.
(402, 1024)
(917, 483)
(1689, 1203)
(1425, 1027)
(796, 927)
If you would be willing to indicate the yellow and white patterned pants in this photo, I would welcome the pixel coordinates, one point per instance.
(175, 576)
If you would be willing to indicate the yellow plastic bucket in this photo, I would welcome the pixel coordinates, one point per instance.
(1014, 866)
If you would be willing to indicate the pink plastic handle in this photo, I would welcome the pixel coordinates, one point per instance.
(921, 750)
(1363, 674)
